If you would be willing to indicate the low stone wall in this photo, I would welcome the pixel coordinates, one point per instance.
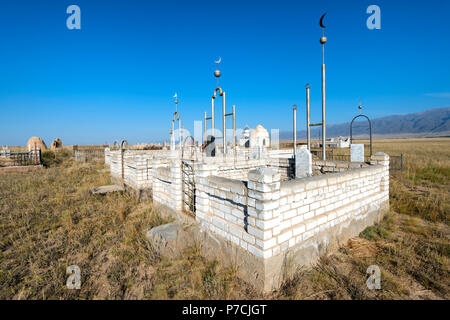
(166, 186)
(137, 165)
(249, 205)
(273, 220)
(328, 166)
(221, 207)
(239, 168)
(284, 166)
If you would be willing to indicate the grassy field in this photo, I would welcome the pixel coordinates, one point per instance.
(49, 221)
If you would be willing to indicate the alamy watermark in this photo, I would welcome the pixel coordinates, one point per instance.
(374, 280)
(74, 20)
(374, 21)
(74, 279)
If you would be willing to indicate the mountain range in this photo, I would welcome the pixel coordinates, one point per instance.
(430, 123)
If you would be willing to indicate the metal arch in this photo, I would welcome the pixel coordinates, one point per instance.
(176, 117)
(122, 144)
(122, 151)
(184, 144)
(370, 130)
(213, 107)
(215, 92)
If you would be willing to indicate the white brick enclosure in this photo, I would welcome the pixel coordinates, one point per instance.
(254, 206)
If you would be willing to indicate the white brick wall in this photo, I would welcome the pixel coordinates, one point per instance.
(281, 215)
(263, 215)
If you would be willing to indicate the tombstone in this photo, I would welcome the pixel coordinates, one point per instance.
(210, 148)
(357, 153)
(303, 164)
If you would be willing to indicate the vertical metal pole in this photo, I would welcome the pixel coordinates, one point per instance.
(35, 153)
(295, 129)
(324, 157)
(224, 126)
(212, 117)
(179, 130)
(234, 129)
(182, 135)
(308, 117)
(205, 128)
(401, 160)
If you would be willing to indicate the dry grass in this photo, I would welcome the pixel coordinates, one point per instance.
(411, 245)
(50, 221)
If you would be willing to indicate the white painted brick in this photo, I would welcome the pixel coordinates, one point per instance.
(284, 236)
(257, 252)
(299, 229)
(308, 215)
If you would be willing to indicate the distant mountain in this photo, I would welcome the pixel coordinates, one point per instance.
(434, 122)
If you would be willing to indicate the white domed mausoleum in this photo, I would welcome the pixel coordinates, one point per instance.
(259, 137)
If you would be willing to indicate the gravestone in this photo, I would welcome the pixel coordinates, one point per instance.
(303, 164)
(210, 148)
(357, 153)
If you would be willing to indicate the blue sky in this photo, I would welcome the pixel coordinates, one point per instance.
(115, 77)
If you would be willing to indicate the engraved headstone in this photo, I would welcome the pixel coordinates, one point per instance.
(303, 163)
(357, 153)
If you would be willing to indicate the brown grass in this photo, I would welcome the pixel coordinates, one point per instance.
(50, 221)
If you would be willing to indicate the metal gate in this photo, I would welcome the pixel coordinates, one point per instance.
(188, 186)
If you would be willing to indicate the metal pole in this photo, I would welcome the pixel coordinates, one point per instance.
(294, 107)
(35, 153)
(308, 117)
(205, 128)
(324, 157)
(234, 129)
(212, 116)
(224, 126)
(401, 159)
(323, 40)
(179, 130)
(173, 134)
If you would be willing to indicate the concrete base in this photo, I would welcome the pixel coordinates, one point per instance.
(268, 274)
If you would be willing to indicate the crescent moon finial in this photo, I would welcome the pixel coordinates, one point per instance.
(218, 61)
(321, 20)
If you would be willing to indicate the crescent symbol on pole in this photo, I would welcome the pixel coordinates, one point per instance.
(321, 20)
(220, 59)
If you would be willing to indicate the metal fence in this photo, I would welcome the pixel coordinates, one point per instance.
(88, 155)
(331, 155)
(396, 162)
(9, 159)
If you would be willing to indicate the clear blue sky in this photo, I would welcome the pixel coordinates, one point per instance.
(115, 77)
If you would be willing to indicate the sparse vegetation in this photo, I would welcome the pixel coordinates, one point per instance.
(49, 221)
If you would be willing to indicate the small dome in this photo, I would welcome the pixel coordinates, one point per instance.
(36, 141)
(259, 130)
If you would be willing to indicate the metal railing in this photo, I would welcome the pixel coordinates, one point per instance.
(89, 155)
(10, 159)
(396, 163)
